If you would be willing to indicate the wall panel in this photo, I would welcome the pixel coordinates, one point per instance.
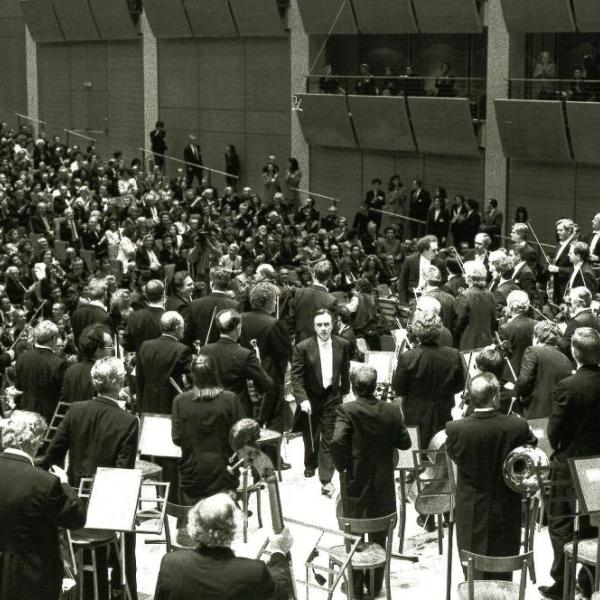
(41, 20)
(346, 184)
(325, 120)
(167, 18)
(210, 18)
(588, 15)
(385, 16)
(13, 97)
(54, 87)
(447, 16)
(176, 90)
(584, 123)
(537, 15)
(587, 185)
(75, 19)
(257, 17)
(458, 175)
(318, 16)
(113, 19)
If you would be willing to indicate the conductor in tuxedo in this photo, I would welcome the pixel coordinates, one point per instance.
(92, 312)
(40, 372)
(193, 158)
(320, 377)
(100, 433)
(144, 324)
(212, 570)
(488, 512)
(159, 360)
(200, 325)
(274, 347)
(365, 435)
(310, 299)
(33, 504)
(236, 365)
(413, 276)
(573, 432)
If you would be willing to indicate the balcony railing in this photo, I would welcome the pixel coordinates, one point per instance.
(580, 90)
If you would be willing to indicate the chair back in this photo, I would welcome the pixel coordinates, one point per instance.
(374, 525)
(496, 564)
(182, 540)
(436, 482)
(178, 511)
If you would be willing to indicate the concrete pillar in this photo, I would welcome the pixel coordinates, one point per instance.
(299, 52)
(31, 67)
(150, 61)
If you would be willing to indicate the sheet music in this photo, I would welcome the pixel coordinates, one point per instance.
(114, 499)
(155, 437)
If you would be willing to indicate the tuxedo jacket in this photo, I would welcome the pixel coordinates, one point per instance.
(89, 314)
(595, 249)
(200, 316)
(33, 504)
(585, 277)
(157, 361)
(519, 332)
(419, 202)
(307, 380)
(77, 383)
(440, 226)
(410, 276)
(143, 324)
(180, 304)
(39, 375)
(525, 279)
(306, 302)
(96, 433)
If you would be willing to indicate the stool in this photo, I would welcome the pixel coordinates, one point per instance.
(91, 540)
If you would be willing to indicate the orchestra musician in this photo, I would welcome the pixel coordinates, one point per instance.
(501, 270)
(92, 312)
(561, 268)
(522, 273)
(428, 305)
(488, 512)
(593, 240)
(33, 505)
(583, 273)
(433, 278)
(530, 255)
(182, 288)
(366, 432)
(213, 570)
(572, 432)
(456, 281)
(580, 314)
(144, 324)
(413, 276)
(320, 377)
(100, 433)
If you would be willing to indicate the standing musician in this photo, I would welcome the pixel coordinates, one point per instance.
(530, 254)
(200, 324)
(433, 289)
(583, 273)
(501, 270)
(475, 310)
(488, 512)
(234, 364)
(517, 330)
(212, 571)
(413, 276)
(366, 433)
(40, 372)
(560, 270)
(320, 377)
(33, 504)
(100, 433)
(430, 306)
(542, 367)
(144, 324)
(275, 350)
(593, 240)
(92, 312)
(522, 273)
(573, 431)
(580, 314)
(201, 421)
(427, 377)
(182, 288)
(456, 281)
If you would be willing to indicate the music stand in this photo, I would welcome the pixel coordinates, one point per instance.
(155, 437)
(115, 503)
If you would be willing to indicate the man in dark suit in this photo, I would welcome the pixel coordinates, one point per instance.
(158, 144)
(433, 280)
(236, 365)
(92, 312)
(182, 288)
(542, 367)
(419, 202)
(320, 377)
(40, 372)
(33, 504)
(214, 567)
(374, 201)
(69, 230)
(583, 274)
(144, 324)
(158, 361)
(272, 338)
(413, 278)
(366, 433)
(573, 432)
(491, 222)
(94, 343)
(427, 377)
(501, 270)
(488, 512)
(200, 325)
(193, 158)
(593, 240)
(522, 273)
(579, 301)
(344, 330)
(518, 234)
(561, 268)
(456, 281)
(40, 222)
(518, 331)
(100, 433)
(310, 299)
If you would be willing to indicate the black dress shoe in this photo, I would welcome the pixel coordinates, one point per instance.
(285, 466)
(309, 472)
(554, 592)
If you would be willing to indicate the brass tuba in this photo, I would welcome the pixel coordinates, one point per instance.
(519, 469)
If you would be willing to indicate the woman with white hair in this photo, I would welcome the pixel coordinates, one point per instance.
(475, 310)
(212, 571)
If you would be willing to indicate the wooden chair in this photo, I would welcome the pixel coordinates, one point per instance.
(476, 589)
(369, 555)
(182, 540)
(587, 553)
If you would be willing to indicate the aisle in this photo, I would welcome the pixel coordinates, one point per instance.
(302, 500)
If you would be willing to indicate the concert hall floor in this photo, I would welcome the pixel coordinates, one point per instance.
(302, 500)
